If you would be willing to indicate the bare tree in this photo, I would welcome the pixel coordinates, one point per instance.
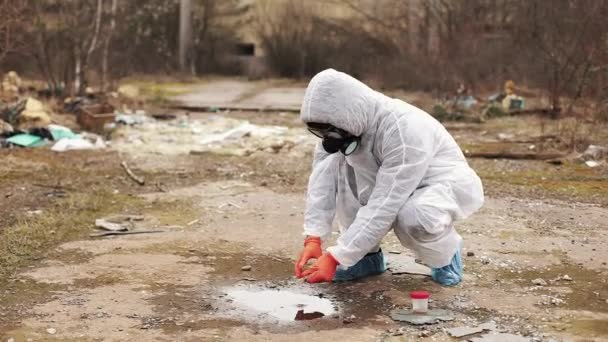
(185, 34)
(12, 15)
(562, 43)
(106, 46)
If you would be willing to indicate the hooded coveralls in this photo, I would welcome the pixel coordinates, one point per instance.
(408, 174)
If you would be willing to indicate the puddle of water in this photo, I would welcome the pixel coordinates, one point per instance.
(281, 305)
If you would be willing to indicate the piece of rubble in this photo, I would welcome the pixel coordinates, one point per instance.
(539, 282)
(110, 226)
(51, 331)
(246, 268)
(501, 337)
(466, 331)
(394, 252)
(433, 316)
(470, 254)
(404, 264)
(566, 278)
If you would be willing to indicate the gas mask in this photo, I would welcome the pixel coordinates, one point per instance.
(334, 139)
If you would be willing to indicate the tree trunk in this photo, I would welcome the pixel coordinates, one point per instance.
(185, 33)
(106, 47)
(77, 72)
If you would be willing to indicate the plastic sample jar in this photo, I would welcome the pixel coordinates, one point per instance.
(420, 301)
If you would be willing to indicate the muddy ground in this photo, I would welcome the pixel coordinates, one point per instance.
(220, 213)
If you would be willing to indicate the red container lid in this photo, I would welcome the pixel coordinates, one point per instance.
(419, 295)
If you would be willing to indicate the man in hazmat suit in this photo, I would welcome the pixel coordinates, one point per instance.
(382, 164)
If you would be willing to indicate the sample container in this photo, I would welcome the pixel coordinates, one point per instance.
(420, 301)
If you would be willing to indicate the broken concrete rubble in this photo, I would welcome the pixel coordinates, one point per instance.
(433, 316)
(539, 282)
(466, 331)
(404, 264)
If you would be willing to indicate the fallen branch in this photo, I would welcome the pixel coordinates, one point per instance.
(138, 180)
(108, 233)
(514, 155)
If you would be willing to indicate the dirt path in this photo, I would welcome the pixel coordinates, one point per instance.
(172, 286)
(219, 214)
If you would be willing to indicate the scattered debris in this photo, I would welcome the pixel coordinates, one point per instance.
(249, 279)
(405, 264)
(26, 140)
(246, 268)
(110, 226)
(470, 254)
(164, 116)
(33, 115)
(566, 277)
(466, 331)
(130, 232)
(94, 117)
(11, 82)
(192, 222)
(219, 135)
(595, 152)
(592, 163)
(431, 317)
(51, 331)
(394, 252)
(500, 337)
(5, 128)
(86, 141)
(138, 180)
(60, 132)
(539, 282)
(138, 118)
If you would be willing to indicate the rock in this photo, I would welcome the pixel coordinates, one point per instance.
(466, 331)
(424, 333)
(51, 331)
(470, 254)
(246, 268)
(539, 282)
(566, 278)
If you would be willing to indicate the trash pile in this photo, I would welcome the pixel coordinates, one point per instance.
(27, 123)
(594, 155)
(214, 134)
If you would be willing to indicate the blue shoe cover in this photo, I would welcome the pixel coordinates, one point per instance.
(371, 264)
(451, 274)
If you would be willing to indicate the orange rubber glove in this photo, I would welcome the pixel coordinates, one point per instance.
(312, 250)
(323, 270)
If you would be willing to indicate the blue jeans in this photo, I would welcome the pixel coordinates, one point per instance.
(371, 264)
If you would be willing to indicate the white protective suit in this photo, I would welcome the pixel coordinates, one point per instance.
(408, 174)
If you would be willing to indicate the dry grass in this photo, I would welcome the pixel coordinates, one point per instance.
(31, 237)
